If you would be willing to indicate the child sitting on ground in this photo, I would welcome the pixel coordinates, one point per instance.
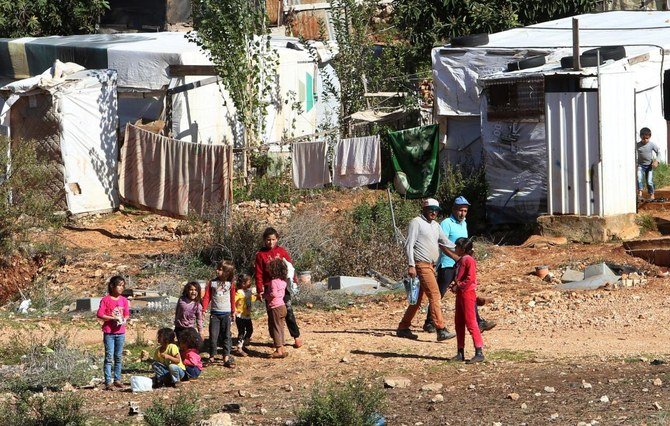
(243, 300)
(465, 286)
(276, 308)
(188, 313)
(167, 366)
(189, 345)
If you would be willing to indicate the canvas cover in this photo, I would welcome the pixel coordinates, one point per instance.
(82, 142)
(174, 177)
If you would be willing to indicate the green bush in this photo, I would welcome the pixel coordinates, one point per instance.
(646, 223)
(24, 201)
(46, 363)
(269, 189)
(351, 403)
(470, 183)
(182, 412)
(44, 18)
(662, 175)
(63, 409)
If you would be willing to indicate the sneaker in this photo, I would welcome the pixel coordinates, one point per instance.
(485, 325)
(406, 333)
(429, 327)
(176, 384)
(109, 387)
(278, 355)
(118, 384)
(230, 363)
(479, 357)
(460, 357)
(444, 334)
(298, 342)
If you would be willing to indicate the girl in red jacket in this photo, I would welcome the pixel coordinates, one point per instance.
(465, 286)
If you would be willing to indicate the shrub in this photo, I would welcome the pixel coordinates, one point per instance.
(24, 201)
(182, 412)
(46, 363)
(64, 409)
(351, 403)
(662, 175)
(269, 189)
(470, 183)
(308, 237)
(646, 223)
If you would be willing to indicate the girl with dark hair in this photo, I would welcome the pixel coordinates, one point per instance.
(243, 301)
(114, 310)
(220, 295)
(188, 313)
(167, 366)
(274, 303)
(189, 345)
(465, 286)
(272, 250)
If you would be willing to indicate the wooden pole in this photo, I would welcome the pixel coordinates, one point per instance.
(575, 45)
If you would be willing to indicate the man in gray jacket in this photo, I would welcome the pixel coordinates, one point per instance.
(425, 239)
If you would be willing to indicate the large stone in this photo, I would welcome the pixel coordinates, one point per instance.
(342, 282)
(90, 304)
(218, 419)
(396, 382)
(590, 229)
(571, 275)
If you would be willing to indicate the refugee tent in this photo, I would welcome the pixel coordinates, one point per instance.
(72, 113)
(554, 139)
(142, 62)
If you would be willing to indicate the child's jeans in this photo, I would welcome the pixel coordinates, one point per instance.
(192, 372)
(648, 173)
(219, 324)
(245, 329)
(113, 354)
(162, 371)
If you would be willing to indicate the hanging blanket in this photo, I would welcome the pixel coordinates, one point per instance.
(415, 161)
(357, 162)
(310, 164)
(174, 177)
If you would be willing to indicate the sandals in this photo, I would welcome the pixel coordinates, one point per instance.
(278, 355)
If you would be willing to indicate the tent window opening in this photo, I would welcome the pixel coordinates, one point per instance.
(515, 99)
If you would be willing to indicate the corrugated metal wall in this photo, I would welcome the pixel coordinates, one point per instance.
(573, 154)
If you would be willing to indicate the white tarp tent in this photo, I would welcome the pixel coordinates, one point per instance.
(83, 106)
(537, 120)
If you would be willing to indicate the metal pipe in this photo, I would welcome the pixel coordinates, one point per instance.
(576, 65)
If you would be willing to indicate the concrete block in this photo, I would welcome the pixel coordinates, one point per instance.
(362, 289)
(89, 304)
(591, 283)
(340, 282)
(571, 275)
(599, 269)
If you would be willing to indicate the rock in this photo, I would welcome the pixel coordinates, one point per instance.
(657, 382)
(263, 411)
(345, 360)
(586, 385)
(133, 408)
(396, 382)
(524, 406)
(67, 387)
(513, 396)
(243, 393)
(604, 399)
(432, 387)
(144, 355)
(288, 388)
(657, 406)
(549, 389)
(220, 419)
(437, 398)
(471, 386)
(554, 416)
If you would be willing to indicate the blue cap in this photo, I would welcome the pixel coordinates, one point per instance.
(461, 201)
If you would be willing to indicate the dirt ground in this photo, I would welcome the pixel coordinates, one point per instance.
(594, 357)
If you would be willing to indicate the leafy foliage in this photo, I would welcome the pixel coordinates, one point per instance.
(23, 18)
(182, 412)
(56, 410)
(24, 203)
(351, 403)
(426, 22)
(234, 35)
(470, 183)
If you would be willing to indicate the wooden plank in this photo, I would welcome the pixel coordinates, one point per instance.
(184, 70)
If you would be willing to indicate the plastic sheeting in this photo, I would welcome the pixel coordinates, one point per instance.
(516, 168)
(85, 105)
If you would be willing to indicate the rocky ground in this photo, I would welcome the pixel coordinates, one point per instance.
(594, 357)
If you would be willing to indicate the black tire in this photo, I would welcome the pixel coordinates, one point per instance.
(531, 62)
(471, 40)
(607, 52)
(584, 61)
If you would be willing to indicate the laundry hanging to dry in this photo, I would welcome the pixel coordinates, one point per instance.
(415, 153)
(357, 162)
(310, 164)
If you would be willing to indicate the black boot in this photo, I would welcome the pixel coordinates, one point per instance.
(479, 357)
(460, 356)
(444, 334)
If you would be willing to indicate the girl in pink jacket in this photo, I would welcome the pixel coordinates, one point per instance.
(273, 294)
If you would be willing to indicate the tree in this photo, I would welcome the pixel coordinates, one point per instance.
(427, 22)
(35, 18)
(234, 35)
